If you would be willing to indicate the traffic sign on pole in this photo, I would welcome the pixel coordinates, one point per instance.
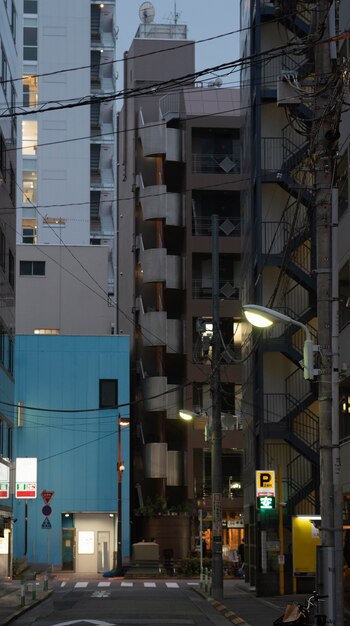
(46, 523)
(47, 495)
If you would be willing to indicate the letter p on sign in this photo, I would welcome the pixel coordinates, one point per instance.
(265, 482)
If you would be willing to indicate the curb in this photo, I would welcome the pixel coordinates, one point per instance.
(26, 608)
(221, 608)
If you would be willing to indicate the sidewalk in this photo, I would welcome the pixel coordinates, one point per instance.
(242, 607)
(12, 597)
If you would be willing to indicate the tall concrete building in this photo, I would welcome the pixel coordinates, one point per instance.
(66, 197)
(10, 95)
(64, 279)
(287, 156)
(179, 163)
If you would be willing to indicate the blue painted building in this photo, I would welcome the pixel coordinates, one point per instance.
(67, 385)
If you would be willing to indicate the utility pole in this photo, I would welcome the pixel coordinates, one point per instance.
(325, 135)
(216, 434)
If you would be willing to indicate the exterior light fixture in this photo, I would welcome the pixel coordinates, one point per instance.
(263, 317)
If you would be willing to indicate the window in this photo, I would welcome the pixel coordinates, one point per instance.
(11, 269)
(1, 436)
(29, 231)
(29, 186)
(29, 137)
(108, 393)
(30, 7)
(30, 43)
(30, 91)
(32, 268)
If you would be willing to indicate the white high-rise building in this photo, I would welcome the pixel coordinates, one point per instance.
(66, 194)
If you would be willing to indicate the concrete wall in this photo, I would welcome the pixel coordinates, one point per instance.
(72, 296)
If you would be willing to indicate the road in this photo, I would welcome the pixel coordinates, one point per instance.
(119, 602)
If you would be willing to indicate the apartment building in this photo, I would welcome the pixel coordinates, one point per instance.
(66, 197)
(278, 263)
(65, 286)
(10, 55)
(344, 278)
(179, 163)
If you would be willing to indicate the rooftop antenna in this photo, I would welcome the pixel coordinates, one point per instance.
(174, 16)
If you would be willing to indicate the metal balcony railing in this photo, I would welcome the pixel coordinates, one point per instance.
(227, 289)
(228, 226)
(216, 163)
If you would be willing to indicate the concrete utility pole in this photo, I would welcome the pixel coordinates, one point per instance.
(216, 433)
(325, 136)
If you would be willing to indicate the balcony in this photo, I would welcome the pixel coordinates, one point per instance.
(157, 203)
(158, 267)
(158, 395)
(228, 226)
(103, 77)
(101, 167)
(220, 163)
(101, 122)
(202, 291)
(157, 139)
(157, 330)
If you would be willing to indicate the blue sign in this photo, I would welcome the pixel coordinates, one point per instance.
(46, 510)
(46, 523)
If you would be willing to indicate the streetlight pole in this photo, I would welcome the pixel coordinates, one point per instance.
(120, 469)
(216, 434)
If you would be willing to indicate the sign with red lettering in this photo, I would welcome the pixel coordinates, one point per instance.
(47, 495)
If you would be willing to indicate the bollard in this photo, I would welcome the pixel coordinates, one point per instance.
(33, 591)
(23, 593)
(46, 583)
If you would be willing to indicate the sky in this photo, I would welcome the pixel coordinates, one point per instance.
(204, 18)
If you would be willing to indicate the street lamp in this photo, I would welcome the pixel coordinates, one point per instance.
(330, 563)
(122, 421)
(263, 317)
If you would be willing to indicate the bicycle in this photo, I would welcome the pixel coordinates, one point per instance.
(302, 614)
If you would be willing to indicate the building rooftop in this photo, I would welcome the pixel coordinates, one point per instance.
(161, 31)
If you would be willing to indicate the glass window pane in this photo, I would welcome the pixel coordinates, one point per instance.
(30, 6)
(30, 36)
(38, 268)
(25, 268)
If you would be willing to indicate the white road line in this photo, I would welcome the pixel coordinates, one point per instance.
(63, 584)
(124, 584)
(104, 584)
(172, 585)
(77, 585)
(193, 584)
(149, 584)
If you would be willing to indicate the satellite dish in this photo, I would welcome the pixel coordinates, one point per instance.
(147, 12)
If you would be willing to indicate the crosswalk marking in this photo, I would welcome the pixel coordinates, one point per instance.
(125, 583)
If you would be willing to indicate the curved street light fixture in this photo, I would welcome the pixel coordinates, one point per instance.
(263, 317)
